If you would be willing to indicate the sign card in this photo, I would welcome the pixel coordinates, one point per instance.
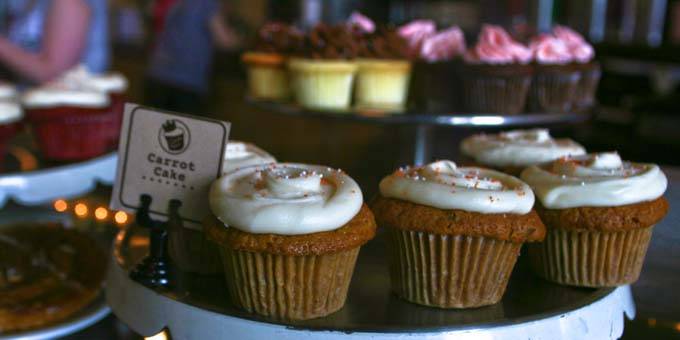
(168, 156)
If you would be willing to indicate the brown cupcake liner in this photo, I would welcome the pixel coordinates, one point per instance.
(587, 88)
(450, 271)
(591, 258)
(192, 252)
(288, 287)
(495, 94)
(553, 92)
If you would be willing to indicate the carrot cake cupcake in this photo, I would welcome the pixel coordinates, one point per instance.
(512, 151)
(600, 212)
(289, 235)
(465, 226)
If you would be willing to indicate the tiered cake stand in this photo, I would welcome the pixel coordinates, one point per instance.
(29, 181)
(198, 307)
(423, 123)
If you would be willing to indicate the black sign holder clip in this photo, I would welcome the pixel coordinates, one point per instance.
(155, 270)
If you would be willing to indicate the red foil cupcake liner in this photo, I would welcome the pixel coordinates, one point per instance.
(72, 133)
(591, 258)
(450, 271)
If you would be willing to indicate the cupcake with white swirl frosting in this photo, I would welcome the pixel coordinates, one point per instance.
(465, 225)
(600, 212)
(289, 235)
(512, 151)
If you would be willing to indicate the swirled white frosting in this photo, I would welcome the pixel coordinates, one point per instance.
(239, 155)
(443, 185)
(7, 91)
(55, 95)
(285, 199)
(599, 180)
(519, 148)
(79, 76)
(10, 112)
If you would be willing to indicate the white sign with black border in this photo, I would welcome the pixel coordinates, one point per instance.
(168, 156)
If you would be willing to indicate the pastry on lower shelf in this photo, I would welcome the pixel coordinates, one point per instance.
(465, 226)
(189, 248)
(289, 235)
(600, 212)
(496, 73)
(513, 151)
(322, 76)
(266, 63)
(47, 274)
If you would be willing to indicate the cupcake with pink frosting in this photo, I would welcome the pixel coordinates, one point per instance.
(436, 80)
(496, 73)
(384, 70)
(553, 88)
(584, 61)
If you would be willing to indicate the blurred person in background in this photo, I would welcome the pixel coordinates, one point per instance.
(41, 40)
(179, 69)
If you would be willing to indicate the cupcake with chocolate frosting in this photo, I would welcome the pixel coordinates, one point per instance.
(323, 71)
(600, 212)
(266, 63)
(292, 231)
(513, 151)
(464, 225)
(383, 71)
(496, 73)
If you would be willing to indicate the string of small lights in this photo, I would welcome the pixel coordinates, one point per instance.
(100, 213)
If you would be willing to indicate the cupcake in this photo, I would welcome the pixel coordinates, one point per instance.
(70, 122)
(240, 155)
(512, 151)
(496, 73)
(553, 88)
(465, 227)
(266, 64)
(189, 248)
(293, 237)
(322, 76)
(10, 123)
(383, 73)
(435, 78)
(590, 71)
(600, 212)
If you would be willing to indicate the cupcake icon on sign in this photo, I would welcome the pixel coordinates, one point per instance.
(174, 136)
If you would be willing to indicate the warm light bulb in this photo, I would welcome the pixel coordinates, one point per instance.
(60, 205)
(101, 213)
(163, 335)
(120, 217)
(80, 210)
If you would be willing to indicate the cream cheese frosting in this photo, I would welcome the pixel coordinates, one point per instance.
(7, 91)
(285, 199)
(518, 148)
(52, 95)
(240, 154)
(598, 179)
(443, 185)
(10, 112)
(106, 82)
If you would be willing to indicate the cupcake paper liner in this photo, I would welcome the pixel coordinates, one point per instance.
(553, 92)
(382, 83)
(321, 83)
(587, 87)
(495, 94)
(591, 258)
(288, 287)
(70, 134)
(268, 82)
(192, 252)
(450, 271)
